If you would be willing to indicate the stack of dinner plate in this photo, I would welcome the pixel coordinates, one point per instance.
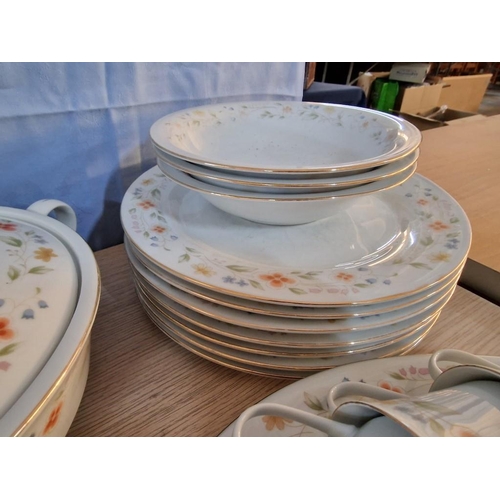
(366, 281)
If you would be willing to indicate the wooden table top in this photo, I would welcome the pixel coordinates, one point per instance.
(465, 161)
(143, 384)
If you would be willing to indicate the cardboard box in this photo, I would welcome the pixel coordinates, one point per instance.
(418, 99)
(309, 74)
(440, 117)
(464, 93)
(409, 72)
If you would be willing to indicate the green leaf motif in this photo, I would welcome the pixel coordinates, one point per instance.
(132, 211)
(453, 235)
(192, 250)
(298, 291)
(313, 402)
(396, 376)
(8, 349)
(420, 265)
(153, 215)
(427, 241)
(454, 220)
(256, 284)
(361, 285)
(10, 240)
(184, 258)
(13, 273)
(161, 218)
(145, 234)
(437, 428)
(39, 270)
(443, 410)
(38, 290)
(242, 269)
(155, 194)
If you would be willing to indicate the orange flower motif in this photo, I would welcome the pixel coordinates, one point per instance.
(440, 257)
(45, 254)
(146, 204)
(278, 422)
(54, 417)
(460, 431)
(147, 182)
(387, 385)
(287, 109)
(277, 280)
(344, 276)
(422, 202)
(159, 229)
(5, 333)
(7, 226)
(439, 226)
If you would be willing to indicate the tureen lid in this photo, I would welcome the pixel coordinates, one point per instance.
(38, 294)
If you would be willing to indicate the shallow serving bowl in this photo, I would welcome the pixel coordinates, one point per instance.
(284, 137)
(274, 185)
(41, 390)
(282, 209)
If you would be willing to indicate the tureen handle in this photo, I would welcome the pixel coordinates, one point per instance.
(63, 212)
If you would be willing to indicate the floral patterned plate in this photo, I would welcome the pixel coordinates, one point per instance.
(38, 293)
(404, 374)
(384, 246)
(271, 137)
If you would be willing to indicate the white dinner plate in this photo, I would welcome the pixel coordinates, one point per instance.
(158, 277)
(404, 374)
(383, 247)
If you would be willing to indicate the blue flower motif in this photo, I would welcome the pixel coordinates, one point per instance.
(371, 280)
(427, 194)
(154, 238)
(2, 302)
(173, 237)
(452, 243)
(229, 279)
(387, 282)
(242, 283)
(39, 239)
(42, 304)
(137, 191)
(362, 269)
(154, 245)
(28, 314)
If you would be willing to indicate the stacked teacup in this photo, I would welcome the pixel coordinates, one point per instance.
(286, 238)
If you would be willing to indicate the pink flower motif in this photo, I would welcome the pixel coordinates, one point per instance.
(4, 365)
(423, 371)
(403, 372)
(413, 370)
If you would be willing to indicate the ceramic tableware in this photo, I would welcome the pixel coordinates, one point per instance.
(284, 136)
(47, 258)
(283, 209)
(283, 186)
(386, 246)
(408, 375)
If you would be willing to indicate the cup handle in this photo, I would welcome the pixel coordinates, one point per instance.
(456, 356)
(63, 212)
(329, 427)
(350, 389)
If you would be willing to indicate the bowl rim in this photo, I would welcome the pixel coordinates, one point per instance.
(405, 129)
(206, 189)
(30, 403)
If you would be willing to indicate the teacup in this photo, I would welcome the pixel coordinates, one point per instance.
(463, 401)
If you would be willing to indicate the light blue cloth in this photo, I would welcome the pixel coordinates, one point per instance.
(79, 132)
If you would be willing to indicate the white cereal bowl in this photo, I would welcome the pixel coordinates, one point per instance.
(274, 185)
(281, 209)
(44, 399)
(284, 137)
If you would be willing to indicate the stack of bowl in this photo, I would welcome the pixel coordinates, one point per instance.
(281, 284)
(284, 163)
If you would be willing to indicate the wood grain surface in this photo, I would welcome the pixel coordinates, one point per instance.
(465, 161)
(143, 384)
